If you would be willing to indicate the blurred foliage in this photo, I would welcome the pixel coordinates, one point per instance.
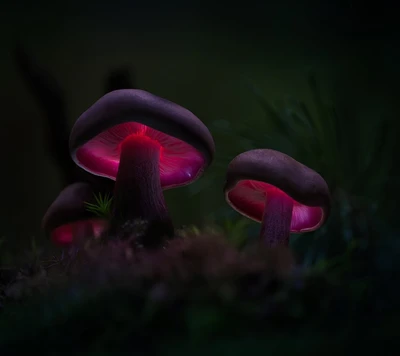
(235, 231)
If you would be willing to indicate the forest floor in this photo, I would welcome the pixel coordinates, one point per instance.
(197, 294)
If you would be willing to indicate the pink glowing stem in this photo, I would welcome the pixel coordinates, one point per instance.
(138, 194)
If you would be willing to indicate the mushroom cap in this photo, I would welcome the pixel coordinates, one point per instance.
(68, 212)
(186, 145)
(252, 174)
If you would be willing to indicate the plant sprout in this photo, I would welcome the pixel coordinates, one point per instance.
(102, 205)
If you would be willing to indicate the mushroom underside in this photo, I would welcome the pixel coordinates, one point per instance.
(278, 213)
(143, 162)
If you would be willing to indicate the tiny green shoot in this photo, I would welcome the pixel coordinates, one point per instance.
(102, 205)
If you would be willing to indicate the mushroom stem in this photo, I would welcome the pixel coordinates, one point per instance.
(277, 217)
(138, 195)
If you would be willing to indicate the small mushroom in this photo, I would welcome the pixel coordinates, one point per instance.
(283, 194)
(146, 144)
(68, 221)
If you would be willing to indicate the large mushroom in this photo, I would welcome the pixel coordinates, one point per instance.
(146, 144)
(283, 194)
(67, 220)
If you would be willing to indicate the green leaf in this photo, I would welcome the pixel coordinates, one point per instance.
(102, 205)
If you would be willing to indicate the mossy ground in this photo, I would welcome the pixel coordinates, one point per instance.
(198, 294)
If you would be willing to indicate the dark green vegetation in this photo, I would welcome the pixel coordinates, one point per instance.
(219, 291)
(198, 294)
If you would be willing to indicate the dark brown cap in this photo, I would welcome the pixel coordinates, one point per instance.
(276, 169)
(69, 206)
(138, 106)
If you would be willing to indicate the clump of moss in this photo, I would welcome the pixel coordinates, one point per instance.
(197, 290)
(206, 261)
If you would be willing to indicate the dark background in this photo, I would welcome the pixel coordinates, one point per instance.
(195, 53)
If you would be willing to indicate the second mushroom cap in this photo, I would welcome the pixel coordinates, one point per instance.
(254, 175)
(67, 219)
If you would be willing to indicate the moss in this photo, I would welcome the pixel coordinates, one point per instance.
(198, 293)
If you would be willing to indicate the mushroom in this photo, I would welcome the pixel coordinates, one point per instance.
(146, 144)
(68, 221)
(283, 194)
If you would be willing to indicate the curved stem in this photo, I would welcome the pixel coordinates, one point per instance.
(277, 217)
(138, 194)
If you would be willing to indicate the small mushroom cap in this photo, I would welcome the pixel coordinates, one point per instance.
(252, 174)
(68, 213)
(186, 145)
